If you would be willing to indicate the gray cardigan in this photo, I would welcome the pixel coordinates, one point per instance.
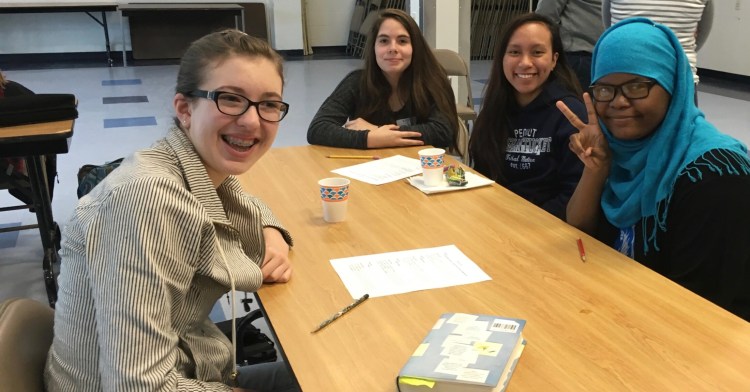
(327, 127)
(579, 20)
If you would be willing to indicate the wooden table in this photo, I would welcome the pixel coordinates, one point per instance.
(33, 141)
(609, 324)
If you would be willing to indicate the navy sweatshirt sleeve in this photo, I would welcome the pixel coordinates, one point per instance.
(570, 167)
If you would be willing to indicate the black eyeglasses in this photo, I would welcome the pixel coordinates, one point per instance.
(236, 105)
(630, 90)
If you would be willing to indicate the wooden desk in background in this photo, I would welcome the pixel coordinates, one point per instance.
(165, 30)
(33, 141)
(30, 7)
(609, 324)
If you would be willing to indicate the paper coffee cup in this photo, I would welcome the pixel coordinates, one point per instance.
(334, 194)
(433, 161)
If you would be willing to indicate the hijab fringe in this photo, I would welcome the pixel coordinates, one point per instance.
(723, 162)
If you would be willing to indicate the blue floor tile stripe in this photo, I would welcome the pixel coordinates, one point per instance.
(129, 122)
(128, 99)
(120, 82)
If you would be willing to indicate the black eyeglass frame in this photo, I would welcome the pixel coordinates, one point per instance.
(619, 87)
(214, 96)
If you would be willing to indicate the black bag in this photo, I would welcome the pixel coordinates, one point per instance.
(90, 175)
(253, 346)
(37, 108)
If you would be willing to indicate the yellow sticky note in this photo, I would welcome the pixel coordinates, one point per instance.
(420, 350)
(487, 348)
(417, 382)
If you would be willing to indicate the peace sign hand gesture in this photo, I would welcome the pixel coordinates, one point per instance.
(589, 144)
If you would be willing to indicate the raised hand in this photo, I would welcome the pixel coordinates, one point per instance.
(589, 144)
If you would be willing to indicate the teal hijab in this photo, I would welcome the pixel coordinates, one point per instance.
(644, 171)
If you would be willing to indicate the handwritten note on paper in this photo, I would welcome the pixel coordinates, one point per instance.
(382, 171)
(411, 270)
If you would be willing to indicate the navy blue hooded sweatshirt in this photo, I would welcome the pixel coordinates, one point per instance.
(538, 164)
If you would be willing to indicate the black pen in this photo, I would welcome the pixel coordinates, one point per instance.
(341, 313)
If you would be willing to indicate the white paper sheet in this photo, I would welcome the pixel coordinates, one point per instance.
(401, 272)
(382, 171)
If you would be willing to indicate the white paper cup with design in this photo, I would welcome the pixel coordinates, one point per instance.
(334, 193)
(433, 161)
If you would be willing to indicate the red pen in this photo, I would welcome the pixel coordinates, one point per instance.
(581, 251)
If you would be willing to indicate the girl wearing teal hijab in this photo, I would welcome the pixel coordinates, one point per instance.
(660, 183)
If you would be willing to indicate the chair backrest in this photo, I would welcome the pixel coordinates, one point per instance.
(364, 33)
(455, 66)
(366, 26)
(25, 338)
(358, 15)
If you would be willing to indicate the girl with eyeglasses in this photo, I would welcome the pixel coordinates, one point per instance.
(151, 248)
(661, 184)
(520, 139)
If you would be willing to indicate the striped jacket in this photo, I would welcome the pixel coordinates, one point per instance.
(683, 17)
(141, 272)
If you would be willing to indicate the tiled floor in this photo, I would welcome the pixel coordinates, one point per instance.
(124, 109)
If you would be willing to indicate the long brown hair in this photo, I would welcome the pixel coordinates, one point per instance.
(493, 125)
(3, 81)
(424, 81)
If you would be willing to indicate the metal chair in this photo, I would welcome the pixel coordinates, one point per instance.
(455, 66)
(357, 17)
(364, 33)
(26, 330)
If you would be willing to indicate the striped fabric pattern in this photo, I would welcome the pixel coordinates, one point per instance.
(682, 16)
(141, 272)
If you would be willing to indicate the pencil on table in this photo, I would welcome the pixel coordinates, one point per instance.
(353, 156)
(581, 251)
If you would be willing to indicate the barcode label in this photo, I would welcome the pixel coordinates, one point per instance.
(500, 325)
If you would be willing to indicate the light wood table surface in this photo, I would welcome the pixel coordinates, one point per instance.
(608, 324)
(53, 130)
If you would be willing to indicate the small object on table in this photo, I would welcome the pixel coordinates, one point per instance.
(455, 175)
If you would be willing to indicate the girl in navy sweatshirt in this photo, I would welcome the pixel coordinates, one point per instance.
(520, 139)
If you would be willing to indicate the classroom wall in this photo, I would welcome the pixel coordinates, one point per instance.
(77, 32)
(328, 21)
(725, 49)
